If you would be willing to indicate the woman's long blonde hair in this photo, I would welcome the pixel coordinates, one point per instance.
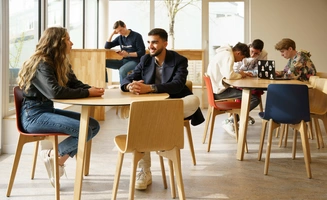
(50, 49)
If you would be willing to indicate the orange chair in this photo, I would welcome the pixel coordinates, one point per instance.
(32, 137)
(216, 108)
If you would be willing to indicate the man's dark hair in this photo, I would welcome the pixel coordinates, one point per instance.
(159, 31)
(243, 48)
(118, 23)
(257, 44)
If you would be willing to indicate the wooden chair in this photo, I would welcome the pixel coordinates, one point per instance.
(153, 126)
(321, 74)
(286, 104)
(32, 137)
(318, 108)
(216, 108)
(187, 126)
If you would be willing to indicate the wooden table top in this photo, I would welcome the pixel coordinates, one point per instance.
(113, 97)
(257, 83)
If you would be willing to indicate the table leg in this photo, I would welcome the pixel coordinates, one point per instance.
(88, 148)
(245, 108)
(84, 123)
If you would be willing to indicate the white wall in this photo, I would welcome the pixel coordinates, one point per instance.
(304, 21)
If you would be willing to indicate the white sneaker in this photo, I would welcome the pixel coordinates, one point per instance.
(231, 120)
(229, 128)
(49, 165)
(143, 179)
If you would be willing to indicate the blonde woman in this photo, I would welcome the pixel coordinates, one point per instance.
(45, 75)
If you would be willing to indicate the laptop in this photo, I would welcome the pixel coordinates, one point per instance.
(266, 70)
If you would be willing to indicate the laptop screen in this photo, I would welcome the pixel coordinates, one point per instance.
(266, 69)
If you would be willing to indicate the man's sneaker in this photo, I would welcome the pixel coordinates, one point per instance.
(229, 128)
(143, 179)
(49, 165)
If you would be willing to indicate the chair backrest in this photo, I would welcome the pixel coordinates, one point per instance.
(189, 84)
(322, 74)
(211, 98)
(321, 84)
(318, 97)
(18, 99)
(287, 103)
(155, 125)
(312, 80)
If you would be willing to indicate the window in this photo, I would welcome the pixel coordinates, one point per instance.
(23, 29)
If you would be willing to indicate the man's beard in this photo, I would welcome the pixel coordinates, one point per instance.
(156, 53)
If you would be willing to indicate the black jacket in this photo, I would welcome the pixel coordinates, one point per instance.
(45, 85)
(174, 73)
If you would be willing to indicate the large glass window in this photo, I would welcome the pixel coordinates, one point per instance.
(185, 28)
(23, 36)
(76, 22)
(226, 24)
(55, 13)
(91, 27)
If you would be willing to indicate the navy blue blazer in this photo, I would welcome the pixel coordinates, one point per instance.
(174, 73)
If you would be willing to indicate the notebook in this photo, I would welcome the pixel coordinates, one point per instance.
(266, 70)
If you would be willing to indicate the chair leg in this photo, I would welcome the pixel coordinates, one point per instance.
(272, 126)
(190, 140)
(36, 149)
(172, 179)
(306, 148)
(262, 138)
(310, 135)
(174, 156)
(18, 153)
(117, 175)
(318, 132)
(54, 140)
(208, 118)
(212, 123)
(294, 144)
(163, 173)
(136, 157)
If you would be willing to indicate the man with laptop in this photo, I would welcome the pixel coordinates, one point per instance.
(299, 65)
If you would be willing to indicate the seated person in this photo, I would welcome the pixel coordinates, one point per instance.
(161, 71)
(299, 65)
(248, 65)
(221, 66)
(131, 49)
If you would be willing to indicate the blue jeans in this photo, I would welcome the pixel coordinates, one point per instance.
(123, 65)
(236, 93)
(40, 116)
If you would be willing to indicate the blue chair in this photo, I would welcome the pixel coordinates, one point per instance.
(286, 104)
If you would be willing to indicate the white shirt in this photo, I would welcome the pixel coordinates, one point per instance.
(221, 66)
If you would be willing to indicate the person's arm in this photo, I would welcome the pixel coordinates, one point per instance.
(226, 63)
(46, 82)
(110, 44)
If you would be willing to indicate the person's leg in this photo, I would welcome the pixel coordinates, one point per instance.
(144, 176)
(228, 124)
(125, 68)
(191, 104)
(113, 64)
(65, 122)
(236, 93)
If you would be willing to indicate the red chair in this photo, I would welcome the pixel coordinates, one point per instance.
(32, 137)
(216, 107)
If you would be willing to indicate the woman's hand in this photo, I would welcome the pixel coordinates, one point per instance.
(96, 92)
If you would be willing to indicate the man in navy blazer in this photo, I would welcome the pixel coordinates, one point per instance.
(161, 71)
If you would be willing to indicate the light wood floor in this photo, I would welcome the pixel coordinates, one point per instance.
(217, 175)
